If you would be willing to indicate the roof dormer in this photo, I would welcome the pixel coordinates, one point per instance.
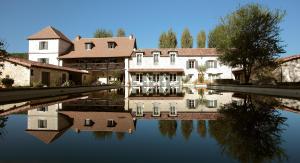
(111, 44)
(89, 45)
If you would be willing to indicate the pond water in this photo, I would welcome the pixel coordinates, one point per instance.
(151, 125)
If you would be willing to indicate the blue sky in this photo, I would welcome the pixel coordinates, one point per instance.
(145, 19)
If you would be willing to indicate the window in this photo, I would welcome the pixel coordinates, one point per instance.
(155, 111)
(139, 77)
(191, 104)
(42, 123)
(43, 60)
(111, 45)
(172, 111)
(43, 45)
(156, 77)
(172, 77)
(43, 109)
(211, 64)
(211, 103)
(172, 58)
(139, 59)
(213, 76)
(173, 90)
(111, 123)
(31, 72)
(139, 111)
(191, 64)
(89, 45)
(88, 122)
(155, 58)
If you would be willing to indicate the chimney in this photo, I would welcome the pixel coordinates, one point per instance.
(77, 38)
(131, 36)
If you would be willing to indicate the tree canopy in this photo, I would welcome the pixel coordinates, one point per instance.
(168, 39)
(201, 39)
(2, 47)
(249, 37)
(186, 39)
(101, 33)
(121, 32)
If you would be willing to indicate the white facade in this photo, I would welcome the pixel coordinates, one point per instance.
(215, 71)
(49, 52)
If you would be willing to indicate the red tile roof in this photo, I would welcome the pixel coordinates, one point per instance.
(49, 33)
(124, 48)
(289, 58)
(28, 63)
(182, 51)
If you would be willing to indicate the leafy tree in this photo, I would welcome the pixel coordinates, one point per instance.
(201, 39)
(250, 131)
(215, 35)
(168, 39)
(250, 38)
(186, 39)
(3, 53)
(101, 33)
(186, 128)
(201, 70)
(121, 32)
(168, 128)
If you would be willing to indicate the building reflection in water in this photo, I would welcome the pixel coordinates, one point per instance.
(247, 128)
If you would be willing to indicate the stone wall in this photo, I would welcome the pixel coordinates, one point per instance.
(289, 71)
(19, 73)
(55, 76)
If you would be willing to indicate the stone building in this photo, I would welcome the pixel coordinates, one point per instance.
(31, 73)
(289, 69)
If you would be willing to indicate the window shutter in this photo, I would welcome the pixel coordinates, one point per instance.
(206, 64)
(196, 64)
(215, 64)
(187, 64)
(215, 103)
(187, 103)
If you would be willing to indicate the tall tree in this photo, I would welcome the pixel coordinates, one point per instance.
(201, 39)
(215, 35)
(121, 32)
(168, 128)
(3, 53)
(101, 33)
(186, 39)
(250, 38)
(168, 39)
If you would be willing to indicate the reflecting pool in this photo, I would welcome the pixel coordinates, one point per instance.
(151, 124)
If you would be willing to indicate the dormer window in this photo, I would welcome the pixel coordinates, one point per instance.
(112, 45)
(156, 58)
(172, 58)
(89, 46)
(43, 45)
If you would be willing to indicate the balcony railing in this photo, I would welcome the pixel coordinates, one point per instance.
(95, 66)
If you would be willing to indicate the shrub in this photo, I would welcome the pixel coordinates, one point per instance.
(68, 83)
(7, 82)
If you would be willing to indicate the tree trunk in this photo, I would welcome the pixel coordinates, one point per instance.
(247, 77)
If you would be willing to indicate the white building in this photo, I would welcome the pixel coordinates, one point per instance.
(163, 67)
(47, 45)
(103, 57)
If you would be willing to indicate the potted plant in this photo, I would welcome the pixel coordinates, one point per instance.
(7, 82)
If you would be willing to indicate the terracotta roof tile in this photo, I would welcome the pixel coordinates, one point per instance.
(289, 58)
(29, 63)
(182, 51)
(124, 48)
(49, 33)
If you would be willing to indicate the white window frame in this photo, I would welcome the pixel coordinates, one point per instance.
(155, 58)
(191, 64)
(139, 78)
(42, 123)
(173, 111)
(172, 58)
(139, 59)
(43, 45)
(191, 104)
(139, 111)
(43, 60)
(156, 111)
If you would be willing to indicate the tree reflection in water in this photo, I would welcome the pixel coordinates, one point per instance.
(3, 121)
(250, 131)
(168, 128)
(186, 128)
(201, 128)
